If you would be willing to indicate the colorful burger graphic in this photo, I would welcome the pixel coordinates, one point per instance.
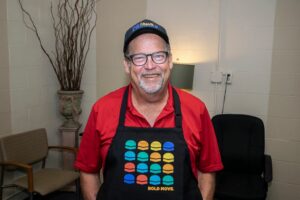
(129, 167)
(155, 146)
(130, 145)
(168, 157)
(149, 163)
(143, 145)
(155, 157)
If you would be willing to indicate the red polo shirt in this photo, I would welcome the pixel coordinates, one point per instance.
(104, 117)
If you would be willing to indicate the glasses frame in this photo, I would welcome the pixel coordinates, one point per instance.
(130, 57)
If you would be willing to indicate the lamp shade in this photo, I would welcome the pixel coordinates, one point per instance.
(182, 76)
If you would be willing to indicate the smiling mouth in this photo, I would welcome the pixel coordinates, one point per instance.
(151, 75)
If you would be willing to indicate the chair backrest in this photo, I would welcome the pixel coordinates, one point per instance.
(27, 147)
(241, 140)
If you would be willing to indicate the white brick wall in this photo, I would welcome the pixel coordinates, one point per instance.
(260, 44)
(5, 119)
(264, 59)
(283, 135)
(33, 81)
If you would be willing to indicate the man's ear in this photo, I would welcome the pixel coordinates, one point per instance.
(127, 65)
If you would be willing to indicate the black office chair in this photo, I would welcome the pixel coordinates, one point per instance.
(247, 170)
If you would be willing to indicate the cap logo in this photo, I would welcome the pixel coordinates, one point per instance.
(144, 24)
(147, 24)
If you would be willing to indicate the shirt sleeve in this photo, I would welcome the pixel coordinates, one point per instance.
(88, 157)
(210, 159)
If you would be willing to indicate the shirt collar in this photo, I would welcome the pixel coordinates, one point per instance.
(168, 109)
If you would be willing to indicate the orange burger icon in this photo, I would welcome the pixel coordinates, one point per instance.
(155, 157)
(168, 169)
(143, 145)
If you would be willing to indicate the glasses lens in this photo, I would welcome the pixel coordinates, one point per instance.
(139, 59)
(159, 57)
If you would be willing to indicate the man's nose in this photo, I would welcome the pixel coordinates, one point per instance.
(150, 64)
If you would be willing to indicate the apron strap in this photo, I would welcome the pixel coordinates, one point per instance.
(178, 115)
(123, 108)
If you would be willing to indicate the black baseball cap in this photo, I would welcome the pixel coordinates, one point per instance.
(144, 26)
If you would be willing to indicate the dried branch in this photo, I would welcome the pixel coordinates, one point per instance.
(73, 24)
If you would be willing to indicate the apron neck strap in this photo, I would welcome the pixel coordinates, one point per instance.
(123, 108)
(177, 109)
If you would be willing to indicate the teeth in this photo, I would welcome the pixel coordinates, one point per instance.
(150, 75)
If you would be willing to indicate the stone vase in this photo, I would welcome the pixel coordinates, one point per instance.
(70, 107)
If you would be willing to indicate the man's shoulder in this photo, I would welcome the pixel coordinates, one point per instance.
(112, 99)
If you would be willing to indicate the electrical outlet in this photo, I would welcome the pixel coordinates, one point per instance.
(228, 77)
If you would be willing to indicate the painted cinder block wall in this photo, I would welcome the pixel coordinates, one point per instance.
(5, 112)
(259, 44)
(283, 125)
(33, 84)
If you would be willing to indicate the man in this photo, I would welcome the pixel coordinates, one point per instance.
(149, 138)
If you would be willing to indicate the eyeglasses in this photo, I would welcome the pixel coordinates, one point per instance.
(140, 59)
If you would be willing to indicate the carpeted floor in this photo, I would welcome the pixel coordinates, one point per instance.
(56, 196)
(61, 196)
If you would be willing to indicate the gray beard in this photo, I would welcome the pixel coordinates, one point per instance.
(153, 89)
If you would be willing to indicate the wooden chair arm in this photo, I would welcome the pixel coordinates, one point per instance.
(16, 164)
(65, 148)
(27, 168)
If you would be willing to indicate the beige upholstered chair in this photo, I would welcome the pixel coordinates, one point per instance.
(20, 151)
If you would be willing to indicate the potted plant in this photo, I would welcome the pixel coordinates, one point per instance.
(73, 22)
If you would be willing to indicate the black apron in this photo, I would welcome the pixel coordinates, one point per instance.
(149, 163)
